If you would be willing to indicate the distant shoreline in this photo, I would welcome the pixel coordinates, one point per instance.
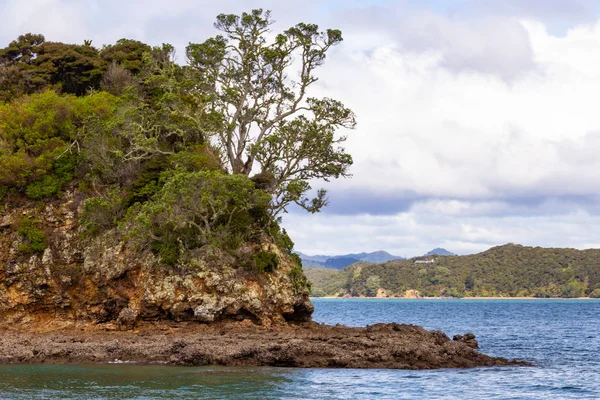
(454, 298)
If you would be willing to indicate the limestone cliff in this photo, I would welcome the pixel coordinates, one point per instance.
(104, 280)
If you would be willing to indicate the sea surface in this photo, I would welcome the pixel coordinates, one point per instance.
(562, 337)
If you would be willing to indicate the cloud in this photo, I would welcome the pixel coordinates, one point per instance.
(433, 132)
(558, 13)
(488, 44)
(477, 121)
(154, 21)
(417, 231)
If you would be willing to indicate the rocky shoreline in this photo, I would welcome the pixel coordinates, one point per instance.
(302, 345)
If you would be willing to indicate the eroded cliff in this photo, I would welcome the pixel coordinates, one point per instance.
(103, 279)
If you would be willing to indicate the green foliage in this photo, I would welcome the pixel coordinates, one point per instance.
(299, 280)
(171, 243)
(195, 209)
(154, 141)
(74, 68)
(265, 115)
(264, 261)
(33, 236)
(595, 294)
(148, 180)
(197, 158)
(506, 271)
(573, 289)
(101, 213)
(372, 283)
(126, 52)
(30, 64)
(18, 73)
(48, 186)
(38, 135)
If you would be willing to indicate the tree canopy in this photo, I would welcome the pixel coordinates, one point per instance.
(507, 271)
(179, 158)
(267, 117)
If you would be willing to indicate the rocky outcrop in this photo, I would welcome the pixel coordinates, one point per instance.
(412, 294)
(75, 299)
(245, 344)
(468, 339)
(103, 280)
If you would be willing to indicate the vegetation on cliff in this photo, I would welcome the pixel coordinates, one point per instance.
(192, 163)
(507, 271)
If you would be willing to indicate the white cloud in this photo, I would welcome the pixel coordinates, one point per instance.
(415, 232)
(438, 132)
(480, 124)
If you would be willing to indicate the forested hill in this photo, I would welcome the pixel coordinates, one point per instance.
(509, 270)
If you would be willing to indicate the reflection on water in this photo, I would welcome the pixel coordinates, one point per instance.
(118, 381)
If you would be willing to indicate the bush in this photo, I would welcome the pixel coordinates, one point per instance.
(34, 237)
(48, 186)
(572, 289)
(265, 261)
(170, 243)
(197, 158)
(101, 213)
(195, 209)
(299, 281)
(595, 294)
(36, 133)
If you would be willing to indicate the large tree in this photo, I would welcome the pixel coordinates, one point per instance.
(260, 88)
(30, 64)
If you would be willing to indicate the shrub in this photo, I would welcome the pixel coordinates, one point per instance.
(36, 134)
(265, 261)
(48, 186)
(170, 243)
(194, 209)
(101, 213)
(197, 158)
(595, 294)
(34, 237)
(572, 289)
(299, 281)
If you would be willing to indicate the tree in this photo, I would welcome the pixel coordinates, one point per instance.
(75, 68)
(127, 53)
(30, 64)
(17, 72)
(194, 209)
(267, 117)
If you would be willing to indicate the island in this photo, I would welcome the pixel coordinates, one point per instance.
(141, 202)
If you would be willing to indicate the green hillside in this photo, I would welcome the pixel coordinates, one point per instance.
(507, 271)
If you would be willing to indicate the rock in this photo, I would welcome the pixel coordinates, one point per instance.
(468, 339)
(127, 318)
(6, 221)
(306, 345)
(412, 294)
(93, 279)
(207, 311)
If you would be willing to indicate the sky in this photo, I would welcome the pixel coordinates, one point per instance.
(478, 121)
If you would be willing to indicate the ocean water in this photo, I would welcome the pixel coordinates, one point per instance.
(562, 337)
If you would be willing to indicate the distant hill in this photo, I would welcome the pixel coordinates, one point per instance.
(438, 251)
(341, 261)
(507, 271)
(306, 257)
